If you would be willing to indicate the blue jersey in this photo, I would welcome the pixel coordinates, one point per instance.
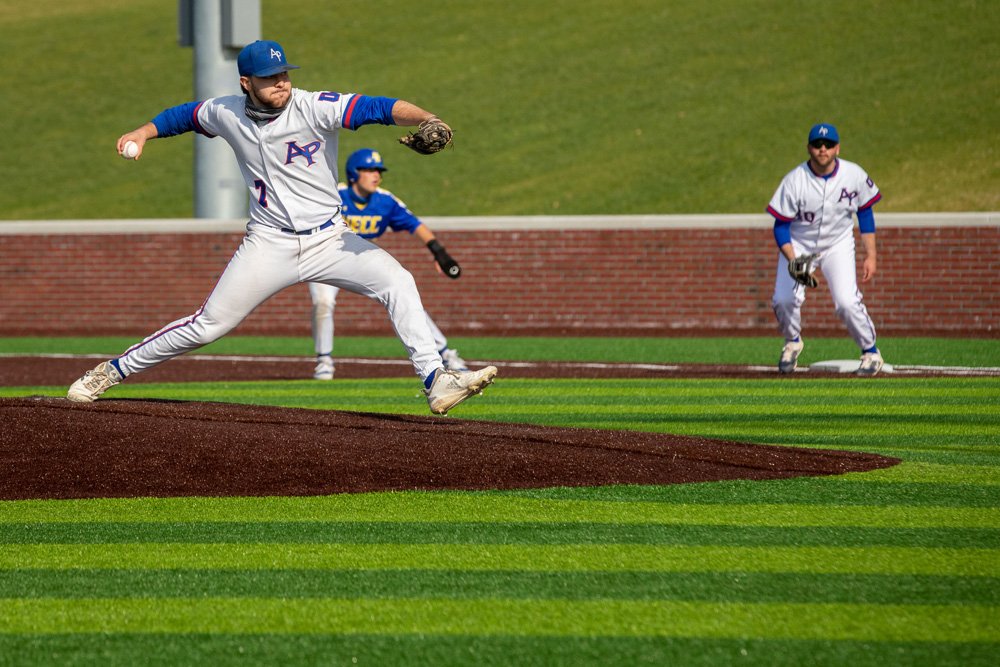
(372, 217)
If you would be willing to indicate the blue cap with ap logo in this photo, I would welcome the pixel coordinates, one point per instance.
(263, 58)
(823, 131)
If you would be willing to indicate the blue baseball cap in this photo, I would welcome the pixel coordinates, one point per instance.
(263, 58)
(823, 131)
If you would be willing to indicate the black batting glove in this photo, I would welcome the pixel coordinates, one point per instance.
(444, 260)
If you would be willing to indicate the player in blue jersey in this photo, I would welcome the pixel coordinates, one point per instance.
(371, 211)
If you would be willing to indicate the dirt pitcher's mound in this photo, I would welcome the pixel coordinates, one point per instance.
(52, 448)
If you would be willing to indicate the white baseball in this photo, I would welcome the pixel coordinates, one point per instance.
(130, 150)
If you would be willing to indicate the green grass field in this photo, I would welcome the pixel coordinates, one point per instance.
(568, 106)
(749, 350)
(564, 107)
(897, 566)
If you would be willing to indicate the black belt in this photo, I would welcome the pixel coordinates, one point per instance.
(307, 232)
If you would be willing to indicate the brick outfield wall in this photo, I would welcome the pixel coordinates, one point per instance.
(692, 282)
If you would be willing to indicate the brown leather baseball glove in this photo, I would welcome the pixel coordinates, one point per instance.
(431, 136)
(800, 269)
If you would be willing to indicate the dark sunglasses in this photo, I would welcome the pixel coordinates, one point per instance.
(825, 143)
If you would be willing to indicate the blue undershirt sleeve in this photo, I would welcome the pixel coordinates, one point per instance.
(866, 221)
(176, 120)
(782, 232)
(370, 110)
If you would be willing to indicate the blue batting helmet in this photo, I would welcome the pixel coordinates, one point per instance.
(363, 158)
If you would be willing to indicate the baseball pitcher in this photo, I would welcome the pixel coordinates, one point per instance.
(285, 141)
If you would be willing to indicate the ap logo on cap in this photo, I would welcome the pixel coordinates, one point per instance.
(262, 58)
(824, 131)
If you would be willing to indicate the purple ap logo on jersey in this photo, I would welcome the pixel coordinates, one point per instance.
(849, 196)
(306, 151)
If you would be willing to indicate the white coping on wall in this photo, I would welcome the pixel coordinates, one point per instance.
(493, 223)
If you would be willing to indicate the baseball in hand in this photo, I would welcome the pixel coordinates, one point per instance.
(130, 150)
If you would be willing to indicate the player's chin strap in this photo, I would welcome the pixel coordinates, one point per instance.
(255, 112)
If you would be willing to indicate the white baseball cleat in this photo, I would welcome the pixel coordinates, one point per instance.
(94, 383)
(871, 364)
(452, 387)
(790, 355)
(453, 362)
(324, 368)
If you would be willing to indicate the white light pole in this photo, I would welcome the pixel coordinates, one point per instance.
(218, 30)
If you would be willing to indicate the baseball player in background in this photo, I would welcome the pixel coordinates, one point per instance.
(813, 228)
(371, 211)
(285, 141)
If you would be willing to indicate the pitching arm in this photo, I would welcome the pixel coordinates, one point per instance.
(406, 114)
(140, 136)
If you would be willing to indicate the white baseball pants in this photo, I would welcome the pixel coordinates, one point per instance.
(270, 260)
(840, 273)
(324, 297)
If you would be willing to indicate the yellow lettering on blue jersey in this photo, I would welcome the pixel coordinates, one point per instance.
(364, 224)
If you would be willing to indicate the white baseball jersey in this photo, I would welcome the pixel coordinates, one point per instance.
(290, 163)
(820, 212)
(290, 167)
(820, 208)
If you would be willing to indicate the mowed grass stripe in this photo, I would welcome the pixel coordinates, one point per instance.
(952, 450)
(492, 533)
(487, 507)
(574, 558)
(455, 584)
(607, 405)
(945, 396)
(938, 623)
(111, 650)
(833, 396)
(765, 428)
(827, 491)
(769, 393)
(913, 472)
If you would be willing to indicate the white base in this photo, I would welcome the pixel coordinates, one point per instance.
(843, 366)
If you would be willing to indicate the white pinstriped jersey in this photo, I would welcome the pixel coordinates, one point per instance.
(820, 208)
(290, 162)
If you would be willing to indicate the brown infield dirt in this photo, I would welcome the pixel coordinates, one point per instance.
(123, 448)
